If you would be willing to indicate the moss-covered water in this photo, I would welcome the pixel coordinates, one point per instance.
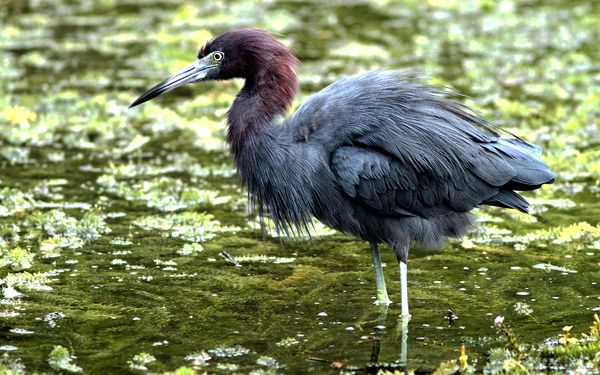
(125, 241)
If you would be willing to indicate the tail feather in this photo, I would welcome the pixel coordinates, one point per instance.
(525, 159)
(508, 199)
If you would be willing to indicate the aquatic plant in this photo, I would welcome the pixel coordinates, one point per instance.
(163, 193)
(139, 361)
(57, 223)
(61, 360)
(224, 352)
(28, 281)
(188, 226)
(16, 258)
(190, 249)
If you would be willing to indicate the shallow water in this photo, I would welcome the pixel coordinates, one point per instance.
(113, 222)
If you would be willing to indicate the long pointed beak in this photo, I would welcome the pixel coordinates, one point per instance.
(191, 73)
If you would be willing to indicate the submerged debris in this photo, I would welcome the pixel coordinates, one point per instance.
(451, 317)
(229, 258)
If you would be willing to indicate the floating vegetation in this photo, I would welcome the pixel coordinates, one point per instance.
(50, 247)
(578, 233)
(317, 229)
(14, 201)
(163, 193)
(60, 359)
(198, 360)
(522, 308)
(268, 362)
(228, 366)
(16, 258)
(190, 249)
(288, 341)
(9, 292)
(28, 281)
(57, 223)
(188, 226)
(21, 331)
(551, 267)
(568, 354)
(53, 317)
(227, 352)
(139, 361)
(263, 259)
(119, 241)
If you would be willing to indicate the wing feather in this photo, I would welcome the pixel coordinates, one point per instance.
(402, 147)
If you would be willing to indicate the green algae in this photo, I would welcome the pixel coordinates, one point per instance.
(140, 361)
(55, 222)
(28, 281)
(59, 359)
(188, 226)
(190, 249)
(112, 220)
(16, 258)
(165, 194)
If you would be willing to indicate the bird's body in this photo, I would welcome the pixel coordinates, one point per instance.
(377, 155)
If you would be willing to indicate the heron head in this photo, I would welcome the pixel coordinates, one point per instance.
(238, 53)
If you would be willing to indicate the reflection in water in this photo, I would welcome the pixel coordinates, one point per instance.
(401, 337)
(403, 328)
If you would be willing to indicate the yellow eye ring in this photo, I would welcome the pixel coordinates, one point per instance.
(218, 56)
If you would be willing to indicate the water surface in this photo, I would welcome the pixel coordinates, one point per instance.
(112, 221)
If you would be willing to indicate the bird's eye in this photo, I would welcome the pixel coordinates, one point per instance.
(218, 56)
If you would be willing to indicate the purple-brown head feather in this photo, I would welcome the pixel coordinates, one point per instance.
(256, 56)
(268, 67)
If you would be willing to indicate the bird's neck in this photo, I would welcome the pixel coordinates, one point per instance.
(266, 94)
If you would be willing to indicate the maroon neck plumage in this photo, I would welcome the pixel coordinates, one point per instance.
(271, 84)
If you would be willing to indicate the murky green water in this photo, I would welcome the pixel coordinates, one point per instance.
(112, 220)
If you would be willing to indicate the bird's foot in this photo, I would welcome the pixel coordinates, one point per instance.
(382, 301)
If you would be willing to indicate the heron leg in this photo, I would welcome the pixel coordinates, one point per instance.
(382, 296)
(404, 289)
(401, 250)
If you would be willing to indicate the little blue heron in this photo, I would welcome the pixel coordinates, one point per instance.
(379, 155)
